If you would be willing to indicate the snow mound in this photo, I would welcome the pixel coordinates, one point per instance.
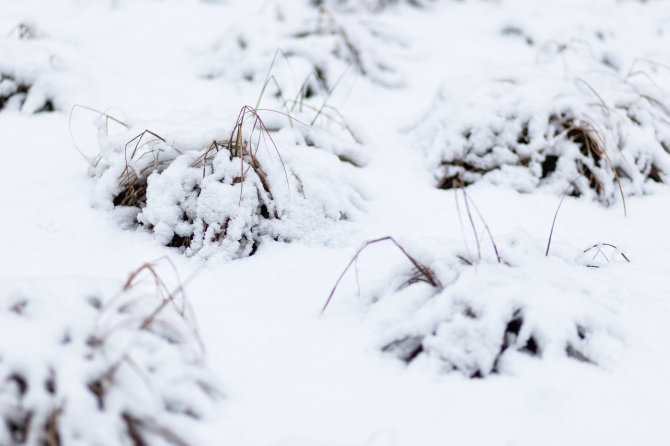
(456, 313)
(17, 92)
(364, 5)
(127, 369)
(229, 193)
(313, 47)
(597, 134)
(35, 73)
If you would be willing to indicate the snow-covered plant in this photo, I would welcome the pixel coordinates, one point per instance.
(598, 136)
(318, 45)
(125, 369)
(358, 6)
(471, 316)
(15, 93)
(229, 195)
(31, 70)
(25, 31)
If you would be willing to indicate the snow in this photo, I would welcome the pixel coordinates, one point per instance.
(249, 217)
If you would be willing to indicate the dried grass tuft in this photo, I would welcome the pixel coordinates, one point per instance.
(134, 362)
(14, 93)
(422, 273)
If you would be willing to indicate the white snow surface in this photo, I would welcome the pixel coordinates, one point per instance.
(368, 106)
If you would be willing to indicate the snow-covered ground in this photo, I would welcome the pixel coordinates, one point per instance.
(186, 181)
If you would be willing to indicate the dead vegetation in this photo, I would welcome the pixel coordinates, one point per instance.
(356, 44)
(227, 195)
(144, 157)
(152, 173)
(593, 167)
(596, 142)
(136, 370)
(148, 154)
(421, 271)
(463, 323)
(599, 251)
(365, 5)
(318, 42)
(14, 92)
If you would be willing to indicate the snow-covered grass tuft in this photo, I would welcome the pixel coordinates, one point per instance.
(15, 93)
(34, 71)
(124, 369)
(600, 136)
(262, 181)
(318, 44)
(467, 313)
(358, 6)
